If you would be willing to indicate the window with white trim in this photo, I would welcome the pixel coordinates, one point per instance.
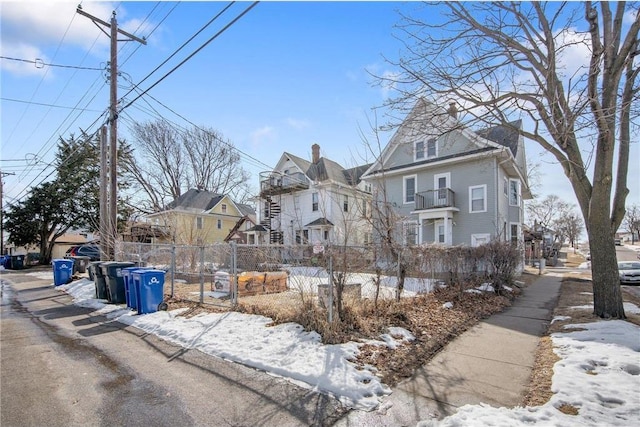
(219, 224)
(478, 198)
(409, 189)
(224, 208)
(345, 203)
(480, 239)
(514, 192)
(432, 148)
(314, 202)
(515, 233)
(410, 232)
(199, 222)
(418, 150)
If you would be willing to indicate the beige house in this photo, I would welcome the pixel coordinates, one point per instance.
(201, 217)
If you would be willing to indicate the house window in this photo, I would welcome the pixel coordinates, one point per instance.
(440, 232)
(368, 239)
(326, 234)
(345, 203)
(431, 148)
(224, 208)
(515, 234)
(251, 239)
(409, 188)
(219, 224)
(478, 198)
(199, 224)
(305, 236)
(298, 237)
(514, 192)
(314, 202)
(480, 239)
(410, 232)
(506, 187)
(418, 150)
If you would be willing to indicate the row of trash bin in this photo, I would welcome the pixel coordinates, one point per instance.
(13, 262)
(140, 288)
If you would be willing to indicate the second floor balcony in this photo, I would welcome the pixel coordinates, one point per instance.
(273, 183)
(435, 199)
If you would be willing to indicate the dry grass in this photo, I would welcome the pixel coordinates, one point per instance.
(424, 316)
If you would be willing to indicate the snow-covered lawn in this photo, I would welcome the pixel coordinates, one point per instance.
(598, 374)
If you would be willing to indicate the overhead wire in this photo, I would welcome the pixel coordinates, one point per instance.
(64, 36)
(175, 52)
(47, 105)
(39, 61)
(215, 36)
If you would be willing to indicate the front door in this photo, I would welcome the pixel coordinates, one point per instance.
(441, 184)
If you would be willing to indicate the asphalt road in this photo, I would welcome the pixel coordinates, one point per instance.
(63, 365)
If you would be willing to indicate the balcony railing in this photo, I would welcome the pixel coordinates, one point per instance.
(433, 199)
(276, 183)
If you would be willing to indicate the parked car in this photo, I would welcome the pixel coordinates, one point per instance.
(629, 272)
(618, 242)
(90, 250)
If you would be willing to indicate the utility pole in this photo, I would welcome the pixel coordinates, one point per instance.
(2, 175)
(108, 234)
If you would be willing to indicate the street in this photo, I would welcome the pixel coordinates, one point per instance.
(63, 365)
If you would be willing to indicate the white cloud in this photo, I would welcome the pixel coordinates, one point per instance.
(298, 124)
(49, 24)
(630, 16)
(263, 135)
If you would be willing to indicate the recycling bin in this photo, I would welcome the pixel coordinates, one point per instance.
(149, 288)
(112, 272)
(129, 289)
(99, 280)
(62, 271)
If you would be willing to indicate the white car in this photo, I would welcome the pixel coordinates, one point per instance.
(629, 272)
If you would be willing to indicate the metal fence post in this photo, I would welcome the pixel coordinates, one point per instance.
(173, 268)
(330, 287)
(201, 274)
(234, 273)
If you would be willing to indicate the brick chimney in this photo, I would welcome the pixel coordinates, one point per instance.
(453, 110)
(315, 153)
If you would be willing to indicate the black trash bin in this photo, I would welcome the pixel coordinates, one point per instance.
(80, 263)
(99, 280)
(16, 262)
(112, 272)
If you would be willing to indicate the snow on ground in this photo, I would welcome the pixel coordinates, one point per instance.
(285, 350)
(598, 374)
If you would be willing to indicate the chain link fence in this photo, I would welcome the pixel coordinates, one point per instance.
(277, 279)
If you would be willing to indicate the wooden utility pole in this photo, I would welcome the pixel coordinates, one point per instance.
(2, 175)
(109, 233)
(104, 199)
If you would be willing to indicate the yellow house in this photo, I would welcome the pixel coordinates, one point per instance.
(200, 217)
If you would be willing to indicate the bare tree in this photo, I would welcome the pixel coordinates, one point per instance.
(499, 60)
(169, 161)
(631, 222)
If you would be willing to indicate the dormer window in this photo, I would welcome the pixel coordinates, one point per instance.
(425, 150)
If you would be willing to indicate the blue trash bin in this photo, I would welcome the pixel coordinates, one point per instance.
(149, 289)
(129, 289)
(62, 271)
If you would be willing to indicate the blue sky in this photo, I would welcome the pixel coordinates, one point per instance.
(285, 76)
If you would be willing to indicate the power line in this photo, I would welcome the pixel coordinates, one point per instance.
(39, 63)
(47, 105)
(193, 54)
(180, 48)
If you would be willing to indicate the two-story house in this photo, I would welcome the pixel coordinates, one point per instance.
(201, 217)
(309, 202)
(448, 184)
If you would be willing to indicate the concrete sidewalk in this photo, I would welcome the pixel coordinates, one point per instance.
(490, 363)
